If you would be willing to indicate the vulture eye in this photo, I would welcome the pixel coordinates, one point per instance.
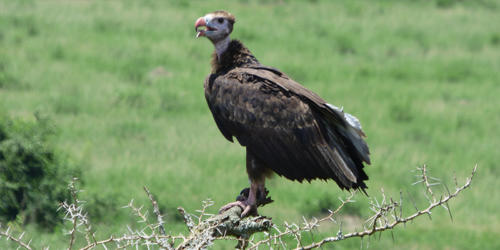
(220, 20)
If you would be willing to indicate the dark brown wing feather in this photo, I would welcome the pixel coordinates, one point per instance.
(289, 128)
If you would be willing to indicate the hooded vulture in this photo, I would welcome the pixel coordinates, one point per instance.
(285, 128)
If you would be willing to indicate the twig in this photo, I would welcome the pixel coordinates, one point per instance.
(387, 214)
(433, 205)
(308, 226)
(229, 223)
(156, 210)
(19, 240)
(188, 220)
(72, 188)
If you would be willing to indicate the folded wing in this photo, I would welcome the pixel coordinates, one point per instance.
(289, 128)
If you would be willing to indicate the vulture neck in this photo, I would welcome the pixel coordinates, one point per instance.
(221, 46)
(231, 54)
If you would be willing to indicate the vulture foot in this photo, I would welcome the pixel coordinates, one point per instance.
(245, 206)
(249, 205)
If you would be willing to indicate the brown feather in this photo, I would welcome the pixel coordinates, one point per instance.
(221, 13)
(236, 55)
(284, 126)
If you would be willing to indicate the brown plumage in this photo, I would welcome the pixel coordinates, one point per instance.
(236, 55)
(286, 128)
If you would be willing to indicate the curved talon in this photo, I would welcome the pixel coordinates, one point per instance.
(233, 204)
(249, 201)
(247, 209)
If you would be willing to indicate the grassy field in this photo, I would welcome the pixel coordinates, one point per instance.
(123, 82)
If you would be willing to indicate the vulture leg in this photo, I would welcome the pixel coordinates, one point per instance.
(256, 195)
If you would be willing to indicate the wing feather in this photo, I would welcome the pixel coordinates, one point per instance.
(289, 128)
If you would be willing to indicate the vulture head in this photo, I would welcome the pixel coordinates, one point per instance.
(218, 25)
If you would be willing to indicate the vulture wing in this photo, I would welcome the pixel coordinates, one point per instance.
(287, 127)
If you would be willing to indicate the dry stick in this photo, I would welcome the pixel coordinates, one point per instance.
(426, 180)
(222, 225)
(75, 218)
(448, 208)
(126, 238)
(135, 237)
(138, 213)
(188, 220)
(156, 210)
(400, 220)
(88, 230)
(18, 240)
(310, 226)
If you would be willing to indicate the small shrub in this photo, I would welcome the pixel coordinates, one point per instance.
(33, 175)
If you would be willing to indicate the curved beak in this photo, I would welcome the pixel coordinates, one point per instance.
(200, 22)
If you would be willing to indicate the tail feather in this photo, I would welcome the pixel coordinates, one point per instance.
(346, 137)
(353, 131)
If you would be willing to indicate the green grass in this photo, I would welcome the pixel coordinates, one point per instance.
(123, 82)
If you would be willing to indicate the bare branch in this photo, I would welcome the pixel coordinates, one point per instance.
(73, 210)
(156, 210)
(203, 232)
(228, 223)
(18, 240)
(188, 220)
(398, 221)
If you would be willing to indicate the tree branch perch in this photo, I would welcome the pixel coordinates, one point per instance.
(208, 228)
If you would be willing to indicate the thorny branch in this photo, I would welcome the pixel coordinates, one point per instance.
(391, 218)
(156, 210)
(75, 214)
(18, 240)
(387, 214)
(207, 228)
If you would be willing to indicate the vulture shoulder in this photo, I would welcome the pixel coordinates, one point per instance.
(288, 127)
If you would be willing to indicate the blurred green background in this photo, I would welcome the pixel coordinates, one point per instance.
(123, 83)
